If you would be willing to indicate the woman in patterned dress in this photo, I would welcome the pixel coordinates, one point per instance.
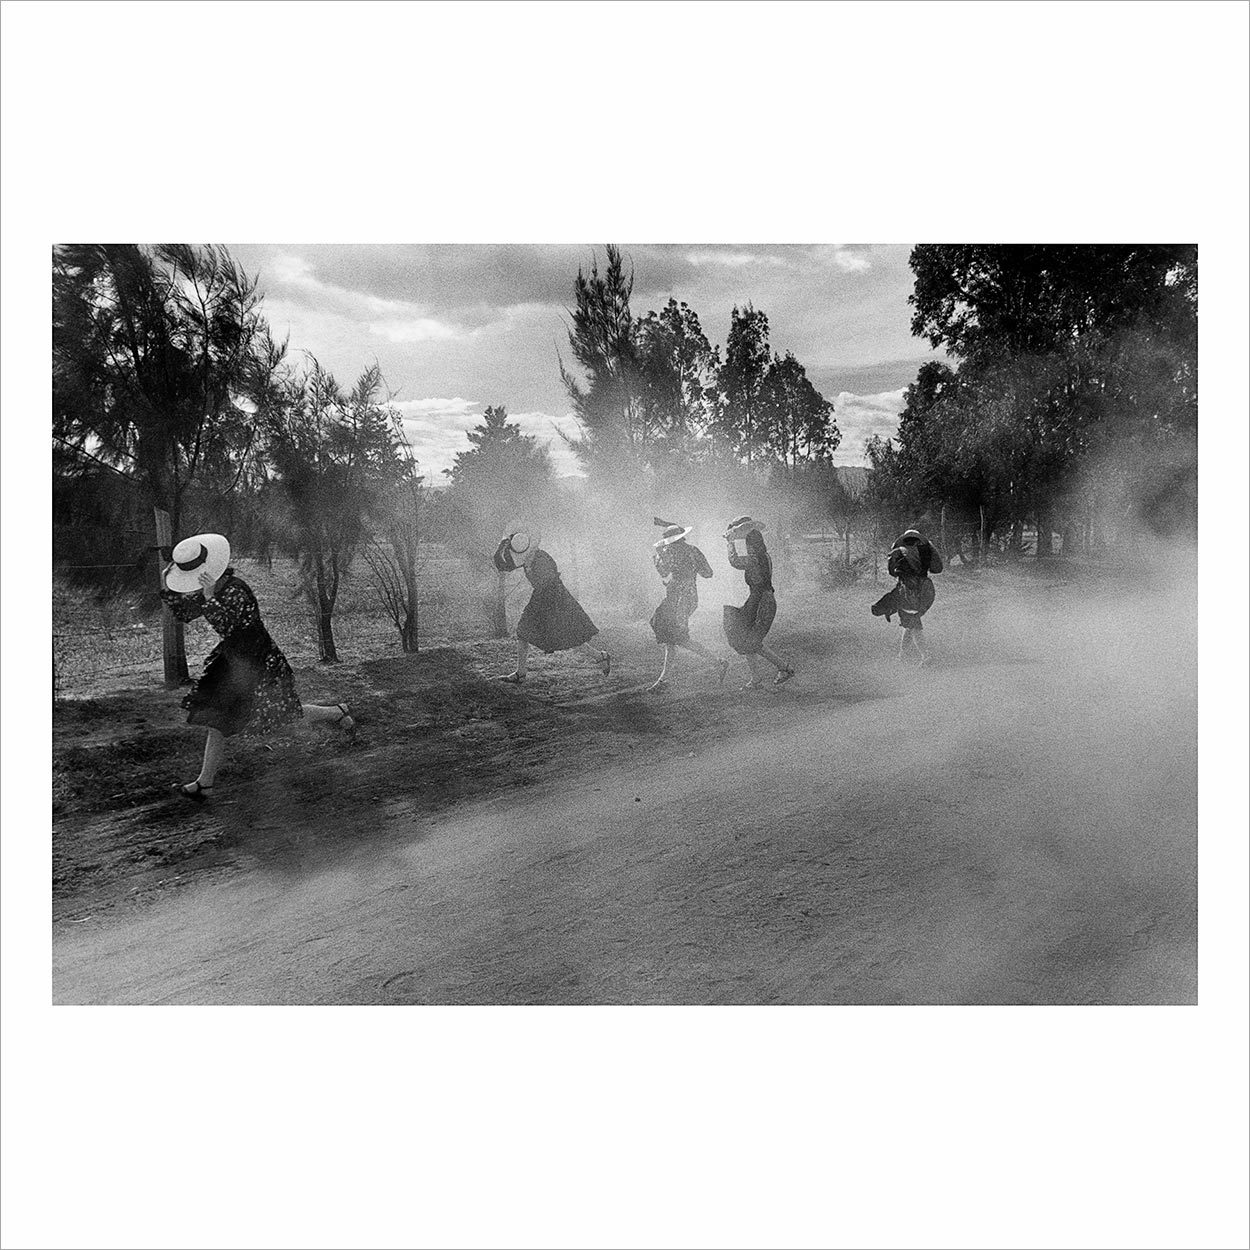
(745, 627)
(247, 685)
(680, 566)
(553, 620)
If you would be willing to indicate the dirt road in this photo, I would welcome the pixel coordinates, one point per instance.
(988, 832)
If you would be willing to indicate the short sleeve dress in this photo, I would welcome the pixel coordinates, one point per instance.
(745, 627)
(247, 685)
(681, 566)
(553, 620)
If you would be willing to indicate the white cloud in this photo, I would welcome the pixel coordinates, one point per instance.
(736, 260)
(435, 406)
(861, 416)
(416, 330)
(845, 257)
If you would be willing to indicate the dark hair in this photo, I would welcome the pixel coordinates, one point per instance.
(755, 543)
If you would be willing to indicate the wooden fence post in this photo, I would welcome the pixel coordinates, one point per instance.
(173, 649)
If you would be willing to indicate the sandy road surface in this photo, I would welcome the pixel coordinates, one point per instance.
(996, 833)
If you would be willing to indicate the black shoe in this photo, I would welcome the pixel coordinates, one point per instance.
(193, 791)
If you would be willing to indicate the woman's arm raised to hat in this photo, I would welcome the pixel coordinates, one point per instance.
(739, 562)
(184, 607)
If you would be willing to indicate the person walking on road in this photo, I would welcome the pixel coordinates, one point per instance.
(247, 686)
(911, 560)
(747, 626)
(680, 565)
(552, 620)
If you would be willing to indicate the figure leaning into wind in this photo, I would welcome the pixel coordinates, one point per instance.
(247, 686)
(746, 627)
(553, 620)
(911, 561)
(680, 565)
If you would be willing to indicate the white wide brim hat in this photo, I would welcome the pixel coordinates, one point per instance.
(742, 527)
(522, 544)
(680, 532)
(192, 556)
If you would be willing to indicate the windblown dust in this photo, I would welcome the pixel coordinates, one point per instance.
(1016, 823)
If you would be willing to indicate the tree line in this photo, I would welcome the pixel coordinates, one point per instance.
(1069, 387)
(1071, 392)
(655, 395)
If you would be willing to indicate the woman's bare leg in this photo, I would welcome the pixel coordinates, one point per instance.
(757, 678)
(321, 712)
(670, 652)
(522, 661)
(721, 662)
(917, 641)
(773, 658)
(214, 753)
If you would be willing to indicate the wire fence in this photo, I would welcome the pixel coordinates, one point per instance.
(103, 643)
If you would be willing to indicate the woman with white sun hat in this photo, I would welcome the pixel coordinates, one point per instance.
(680, 564)
(247, 686)
(553, 620)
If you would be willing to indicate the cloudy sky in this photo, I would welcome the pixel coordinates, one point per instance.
(458, 328)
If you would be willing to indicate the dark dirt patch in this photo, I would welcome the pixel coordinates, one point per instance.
(436, 728)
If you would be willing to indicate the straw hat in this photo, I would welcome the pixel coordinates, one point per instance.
(192, 557)
(742, 526)
(522, 544)
(673, 534)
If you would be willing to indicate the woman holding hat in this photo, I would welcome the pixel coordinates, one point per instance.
(911, 560)
(553, 620)
(247, 685)
(746, 627)
(679, 565)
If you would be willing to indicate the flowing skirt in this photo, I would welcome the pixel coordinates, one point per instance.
(745, 627)
(244, 692)
(671, 620)
(554, 621)
(911, 598)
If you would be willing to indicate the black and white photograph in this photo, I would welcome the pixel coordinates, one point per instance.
(571, 707)
(625, 624)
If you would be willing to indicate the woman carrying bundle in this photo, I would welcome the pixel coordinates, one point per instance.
(247, 686)
(911, 561)
(746, 627)
(680, 566)
(553, 620)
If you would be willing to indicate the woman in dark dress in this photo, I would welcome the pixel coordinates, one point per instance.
(911, 561)
(746, 627)
(247, 686)
(553, 620)
(680, 566)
